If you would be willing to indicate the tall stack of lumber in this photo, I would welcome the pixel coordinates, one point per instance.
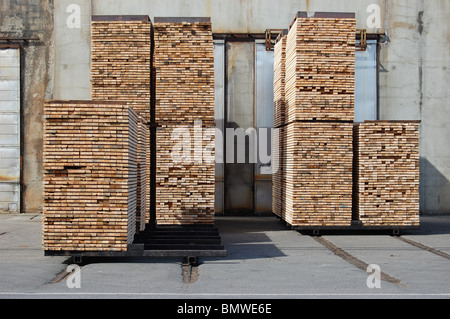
(90, 175)
(122, 68)
(184, 64)
(317, 144)
(279, 107)
(387, 173)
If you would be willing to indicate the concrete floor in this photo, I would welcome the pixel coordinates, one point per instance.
(264, 260)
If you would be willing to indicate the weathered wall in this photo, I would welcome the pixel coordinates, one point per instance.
(413, 76)
(30, 18)
(414, 81)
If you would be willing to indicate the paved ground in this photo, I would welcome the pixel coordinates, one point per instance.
(264, 260)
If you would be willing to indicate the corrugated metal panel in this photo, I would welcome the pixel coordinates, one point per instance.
(366, 83)
(264, 121)
(10, 130)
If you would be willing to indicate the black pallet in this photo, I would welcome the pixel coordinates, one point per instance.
(164, 241)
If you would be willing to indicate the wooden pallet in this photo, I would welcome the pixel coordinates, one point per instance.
(386, 179)
(90, 175)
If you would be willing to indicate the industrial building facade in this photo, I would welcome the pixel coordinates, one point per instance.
(401, 74)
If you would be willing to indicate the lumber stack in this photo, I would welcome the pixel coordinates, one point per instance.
(387, 173)
(184, 64)
(185, 180)
(143, 185)
(320, 68)
(90, 175)
(279, 58)
(121, 60)
(314, 185)
(121, 67)
(278, 176)
(318, 182)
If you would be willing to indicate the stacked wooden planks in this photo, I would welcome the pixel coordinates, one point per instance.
(316, 138)
(386, 178)
(185, 180)
(318, 169)
(278, 175)
(121, 60)
(90, 175)
(122, 67)
(279, 80)
(143, 184)
(320, 67)
(184, 64)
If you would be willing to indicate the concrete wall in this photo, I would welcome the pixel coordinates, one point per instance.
(19, 19)
(413, 74)
(414, 79)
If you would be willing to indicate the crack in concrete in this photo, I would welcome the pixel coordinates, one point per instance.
(423, 247)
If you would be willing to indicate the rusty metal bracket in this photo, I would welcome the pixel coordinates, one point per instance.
(363, 38)
(271, 35)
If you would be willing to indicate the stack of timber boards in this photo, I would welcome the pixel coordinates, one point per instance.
(121, 67)
(320, 67)
(279, 80)
(142, 217)
(316, 146)
(387, 173)
(278, 176)
(121, 60)
(184, 62)
(318, 170)
(185, 179)
(90, 176)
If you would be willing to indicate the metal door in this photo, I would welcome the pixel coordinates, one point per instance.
(239, 117)
(219, 70)
(9, 130)
(366, 83)
(264, 125)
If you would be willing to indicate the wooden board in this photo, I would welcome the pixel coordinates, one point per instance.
(386, 183)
